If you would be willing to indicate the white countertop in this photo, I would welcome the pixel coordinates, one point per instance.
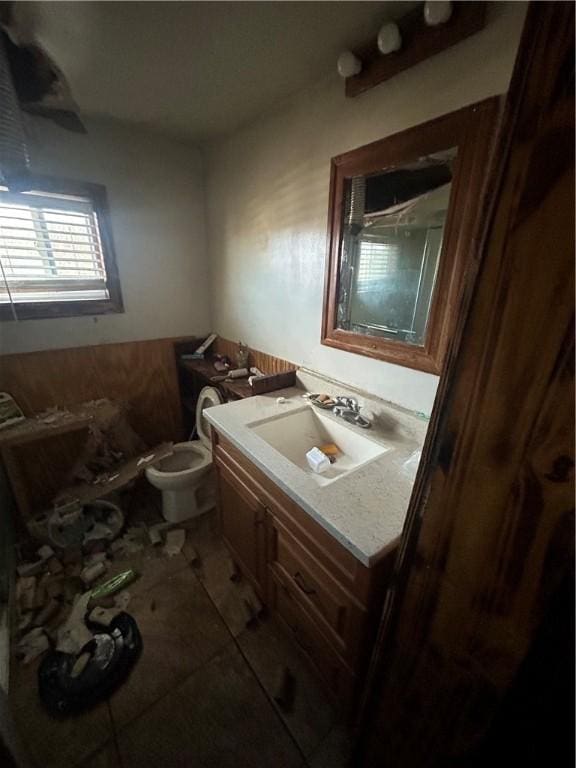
(364, 510)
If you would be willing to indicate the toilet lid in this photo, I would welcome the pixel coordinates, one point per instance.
(208, 397)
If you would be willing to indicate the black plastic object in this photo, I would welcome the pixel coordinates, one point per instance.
(113, 653)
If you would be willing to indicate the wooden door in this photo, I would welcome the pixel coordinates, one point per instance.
(488, 545)
(242, 522)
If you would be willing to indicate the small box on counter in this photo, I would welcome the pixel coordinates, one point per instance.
(263, 384)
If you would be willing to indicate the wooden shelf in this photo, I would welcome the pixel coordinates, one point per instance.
(204, 369)
(126, 472)
(51, 424)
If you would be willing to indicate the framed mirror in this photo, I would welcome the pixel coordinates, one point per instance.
(402, 224)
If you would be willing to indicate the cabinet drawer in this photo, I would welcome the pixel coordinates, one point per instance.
(338, 615)
(338, 677)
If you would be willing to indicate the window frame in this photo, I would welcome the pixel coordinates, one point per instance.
(97, 195)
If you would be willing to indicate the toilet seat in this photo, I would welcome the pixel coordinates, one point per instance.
(185, 456)
(208, 397)
(176, 470)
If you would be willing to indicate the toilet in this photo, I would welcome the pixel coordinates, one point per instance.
(184, 477)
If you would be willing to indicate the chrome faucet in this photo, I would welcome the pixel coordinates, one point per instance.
(349, 410)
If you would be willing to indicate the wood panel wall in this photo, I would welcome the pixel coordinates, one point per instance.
(265, 362)
(489, 539)
(141, 374)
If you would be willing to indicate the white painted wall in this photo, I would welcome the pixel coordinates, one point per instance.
(156, 199)
(268, 202)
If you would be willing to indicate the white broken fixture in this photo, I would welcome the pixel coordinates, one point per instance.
(389, 38)
(184, 477)
(348, 64)
(437, 12)
(10, 411)
(74, 524)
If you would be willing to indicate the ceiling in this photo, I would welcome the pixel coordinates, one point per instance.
(198, 69)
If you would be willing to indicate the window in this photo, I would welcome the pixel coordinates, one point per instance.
(56, 254)
(377, 262)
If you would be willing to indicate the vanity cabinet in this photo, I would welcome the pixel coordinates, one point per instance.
(324, 597)
(242, 525)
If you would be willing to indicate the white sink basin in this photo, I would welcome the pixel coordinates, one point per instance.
(294, 434)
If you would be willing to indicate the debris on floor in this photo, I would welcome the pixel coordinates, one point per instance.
(69, 609)
(92, 572)
(32, 645)
(88, 648)
(134, 540)
(80, 665)
(74, 524)
(45, 552)
(145, 459)
(48, 612)
(122, 600)
(233, 572)
(73, 635)
(72, 682)
(26, 593)
(114, 584)
(250, 614)
(192, 556)
(175, 540)
(283, 688)
(58, 580)
(30, 569)
(54, 565)
(154, 535)
(253, 608)
(94, 558)
(103, 616)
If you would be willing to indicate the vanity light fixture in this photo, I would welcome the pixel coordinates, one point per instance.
(348, 64)
(389, 38)
(437, 12)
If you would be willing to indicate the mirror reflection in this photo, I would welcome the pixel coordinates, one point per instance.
(390, 248)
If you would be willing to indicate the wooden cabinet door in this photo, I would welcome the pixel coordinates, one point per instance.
(242, 522)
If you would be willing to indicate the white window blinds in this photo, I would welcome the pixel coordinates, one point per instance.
(50, 249)
(377, 261)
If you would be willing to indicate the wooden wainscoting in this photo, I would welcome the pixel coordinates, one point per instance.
(266, 363)
(141, 374)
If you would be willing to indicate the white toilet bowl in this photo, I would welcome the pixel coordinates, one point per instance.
(184, 477)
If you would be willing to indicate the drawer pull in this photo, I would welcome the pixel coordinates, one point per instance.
(298, 578)
(302, 642)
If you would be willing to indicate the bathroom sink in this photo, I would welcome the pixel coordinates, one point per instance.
(294, 434)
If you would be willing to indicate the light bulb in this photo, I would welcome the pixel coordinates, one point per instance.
(348, 64)
(437, 12)
(389, 38)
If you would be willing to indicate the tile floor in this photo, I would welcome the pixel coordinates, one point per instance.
(200, 695)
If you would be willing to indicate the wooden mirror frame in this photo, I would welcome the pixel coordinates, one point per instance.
(471, 130)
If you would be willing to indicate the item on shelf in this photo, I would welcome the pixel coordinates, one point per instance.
(242, 355)
(10, 411)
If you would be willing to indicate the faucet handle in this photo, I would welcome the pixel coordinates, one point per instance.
(348, 402)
